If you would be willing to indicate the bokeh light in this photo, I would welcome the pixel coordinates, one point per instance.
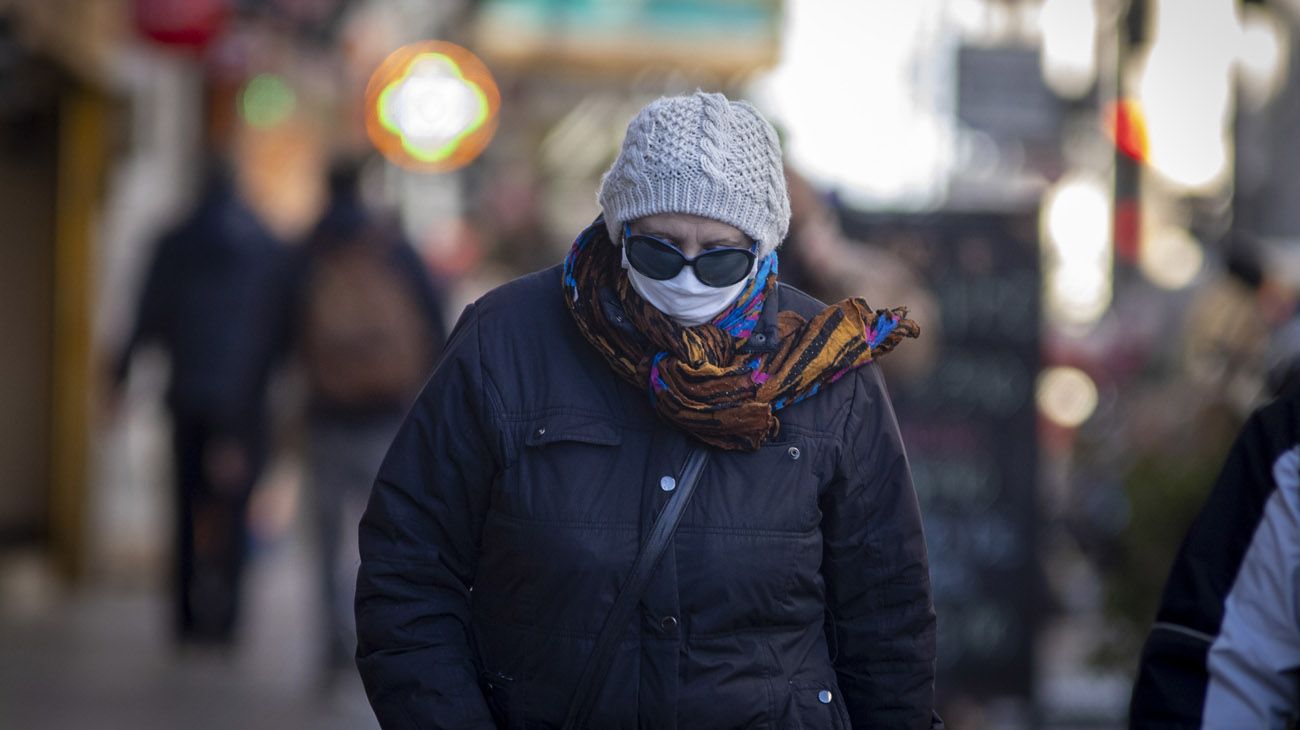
(1077, 250)
(1171, 258)
(1186, 92)
(885, 145)
(1069, 51)
(1066, 396)
(431, 106)
(267, 100)
(1262, 55)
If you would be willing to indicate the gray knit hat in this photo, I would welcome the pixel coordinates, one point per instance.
(704, 155)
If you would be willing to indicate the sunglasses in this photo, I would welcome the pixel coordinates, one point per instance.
(661, 260)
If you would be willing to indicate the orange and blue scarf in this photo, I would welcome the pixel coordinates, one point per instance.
(697, 377)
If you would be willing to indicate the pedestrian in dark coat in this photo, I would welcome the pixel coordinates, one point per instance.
(573, 406)
(203, 301)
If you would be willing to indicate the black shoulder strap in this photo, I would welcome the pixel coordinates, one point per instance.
(594, 674)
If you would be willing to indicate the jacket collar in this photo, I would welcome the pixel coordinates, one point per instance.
(766, 337)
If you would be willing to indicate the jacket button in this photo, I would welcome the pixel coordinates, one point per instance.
(794, 452)
(667, 484)
(669, 623)
(540, 432)
(824, 697)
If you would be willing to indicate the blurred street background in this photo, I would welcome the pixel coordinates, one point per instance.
(1089, 205)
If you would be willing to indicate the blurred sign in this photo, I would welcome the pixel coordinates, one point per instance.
(431, 106)
(970, 432)
(1001, 92)
(722, 36)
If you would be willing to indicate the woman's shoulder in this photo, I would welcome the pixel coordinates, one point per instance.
(523, 304)
(526, 333)
(517, 318)
(538, 293)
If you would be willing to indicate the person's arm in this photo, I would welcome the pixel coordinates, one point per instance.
(151, 309)
(1254, 661)
(419, 550)
(877, 573)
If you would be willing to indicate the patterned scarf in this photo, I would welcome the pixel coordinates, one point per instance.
(697, 377)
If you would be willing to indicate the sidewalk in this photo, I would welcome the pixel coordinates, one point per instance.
(102, 659)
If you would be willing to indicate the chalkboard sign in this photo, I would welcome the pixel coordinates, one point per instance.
(969, 426)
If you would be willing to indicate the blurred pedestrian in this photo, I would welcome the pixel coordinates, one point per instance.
(203, 299)
(510, 553)
(365, 321)
(1225, 647)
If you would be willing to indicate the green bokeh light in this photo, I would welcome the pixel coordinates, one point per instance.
(267, 100)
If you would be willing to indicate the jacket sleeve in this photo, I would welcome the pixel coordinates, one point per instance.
(419, 546)
(1254, 661)
(152, 307)
(1169, 690)
(877, 573)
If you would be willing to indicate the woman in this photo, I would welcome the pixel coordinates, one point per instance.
(572, 406)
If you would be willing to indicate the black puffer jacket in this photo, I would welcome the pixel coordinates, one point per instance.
(796, 592)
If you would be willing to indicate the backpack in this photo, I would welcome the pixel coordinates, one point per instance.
(366, 340)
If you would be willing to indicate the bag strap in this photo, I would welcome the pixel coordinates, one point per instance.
(597, 669)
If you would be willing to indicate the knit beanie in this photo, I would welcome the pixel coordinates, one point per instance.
(704, 155)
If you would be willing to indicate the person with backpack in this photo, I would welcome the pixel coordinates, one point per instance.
(365, 324)
(652, 487)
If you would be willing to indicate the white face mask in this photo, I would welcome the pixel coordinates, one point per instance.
(683, 297)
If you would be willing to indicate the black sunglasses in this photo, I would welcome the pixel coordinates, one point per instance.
(661, 260)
